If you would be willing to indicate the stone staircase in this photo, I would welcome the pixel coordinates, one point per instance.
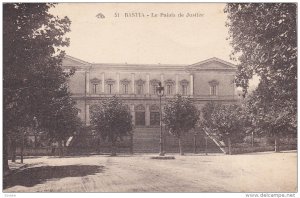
(146, 140)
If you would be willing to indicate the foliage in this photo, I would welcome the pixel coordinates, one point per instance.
(60, 116)
(34, 84)
(180, 115)
(264, 39)
(206, 120)
(112, 119)
(33, 77)
(269, 119)
(224, 121)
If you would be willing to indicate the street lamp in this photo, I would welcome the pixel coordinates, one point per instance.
(160, 93)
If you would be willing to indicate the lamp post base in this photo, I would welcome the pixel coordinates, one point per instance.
(161, 153)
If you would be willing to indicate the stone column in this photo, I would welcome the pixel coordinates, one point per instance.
(148, 84)
(192, 84)
(87, 82)
(132, 113)
(118, 83)
(87, 109)
(133, 82)
(103, 82)
(177, 82)
(147, 115)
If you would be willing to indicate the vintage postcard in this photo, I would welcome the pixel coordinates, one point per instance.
(150, 97)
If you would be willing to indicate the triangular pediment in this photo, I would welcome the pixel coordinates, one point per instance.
(71, 61)
(212, 64)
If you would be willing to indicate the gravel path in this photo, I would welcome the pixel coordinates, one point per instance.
(259, 172)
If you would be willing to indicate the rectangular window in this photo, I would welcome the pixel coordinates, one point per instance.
(140, 89)
(213, 90)
(169, 89)
(110, 88)
(94, 88)
(184, 90)
(125, 88)
(154, 87)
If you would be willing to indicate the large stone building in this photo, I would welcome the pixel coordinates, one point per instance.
(208, 80)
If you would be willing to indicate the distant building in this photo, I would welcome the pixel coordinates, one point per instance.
(208, 80)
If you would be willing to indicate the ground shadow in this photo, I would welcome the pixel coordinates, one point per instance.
(37, 175)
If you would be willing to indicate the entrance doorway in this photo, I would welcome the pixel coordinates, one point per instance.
(140, 118)
(154, 118)
(154, 115)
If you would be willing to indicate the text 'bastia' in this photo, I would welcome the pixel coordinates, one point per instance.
(141, 15)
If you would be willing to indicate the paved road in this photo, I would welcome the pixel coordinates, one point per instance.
(260, 172)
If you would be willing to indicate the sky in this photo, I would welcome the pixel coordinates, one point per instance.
(165, 39)
(147, 33)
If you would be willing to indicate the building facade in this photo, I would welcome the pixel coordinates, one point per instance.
(208, 80)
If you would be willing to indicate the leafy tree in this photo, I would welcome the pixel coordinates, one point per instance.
(274, 121)
(32, 59)
(112, 120)
(206, 119)
(60, 117)
(264, 40)
(225, 121)
(180, 116)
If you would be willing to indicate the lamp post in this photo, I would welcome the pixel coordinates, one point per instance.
(160, 93)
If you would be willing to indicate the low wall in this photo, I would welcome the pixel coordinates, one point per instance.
(241, 150)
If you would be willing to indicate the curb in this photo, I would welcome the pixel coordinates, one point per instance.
(162, 157)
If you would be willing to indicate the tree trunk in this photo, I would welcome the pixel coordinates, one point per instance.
(252, 139)
(35, 140)
(180, 146)
(63, 144)
(13, 150)
(113, 148)
(60, 145)
(206, 145)
(5, 152)
(22, 145)
(195, 144)
(277, 150)
(131, 143)
(98, 145)
(229, 146)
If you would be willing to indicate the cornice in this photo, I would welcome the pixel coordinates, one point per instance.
(199, 66)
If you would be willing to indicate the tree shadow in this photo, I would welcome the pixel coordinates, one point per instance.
(37, 175)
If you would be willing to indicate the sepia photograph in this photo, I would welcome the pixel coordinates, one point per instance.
(150, 98)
